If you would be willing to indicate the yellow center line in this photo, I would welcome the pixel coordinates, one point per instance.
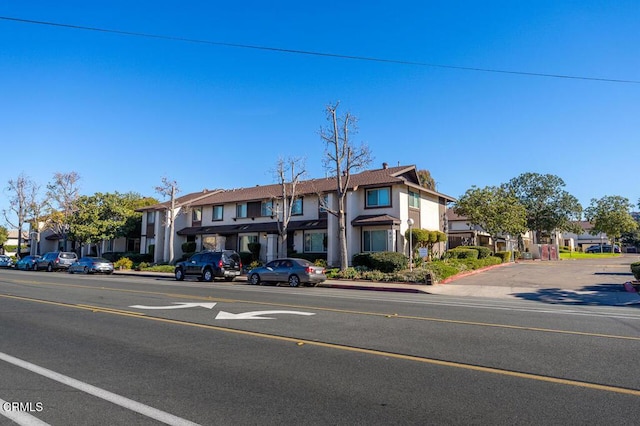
(373, 352)
(346, 311)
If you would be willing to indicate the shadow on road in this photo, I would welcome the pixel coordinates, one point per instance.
(594, 295)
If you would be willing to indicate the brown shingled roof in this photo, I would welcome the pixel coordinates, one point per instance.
(384, 176)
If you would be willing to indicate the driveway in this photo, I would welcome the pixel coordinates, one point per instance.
(587, 281)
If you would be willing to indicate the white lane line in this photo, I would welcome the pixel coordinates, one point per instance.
(130, 404)
(21, 418)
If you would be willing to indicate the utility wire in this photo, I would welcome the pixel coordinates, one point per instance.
(313, 53)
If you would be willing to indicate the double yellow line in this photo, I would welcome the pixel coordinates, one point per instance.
(373, 352)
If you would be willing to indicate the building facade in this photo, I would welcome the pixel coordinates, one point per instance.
(378, 205)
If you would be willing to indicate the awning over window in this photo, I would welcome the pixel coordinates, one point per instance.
(375, 220)
(268, 227)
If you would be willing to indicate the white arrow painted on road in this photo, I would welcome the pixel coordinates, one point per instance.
(177, 305)
(256, 314)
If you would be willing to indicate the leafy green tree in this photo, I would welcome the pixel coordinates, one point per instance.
(548, 207)
(421, 238)
(611, 215)
(104, 216)
(494, 209)
(4, 235)
(426, 180)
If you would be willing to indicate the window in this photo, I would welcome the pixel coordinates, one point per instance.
(414, 199)
(196, 214)
(315, 242)
(217, 213)
(374, 240)
(266, 208)
(151, 218)
(296, 207)
(323, 202)
(378, 197)
(241, 210)
(244, 240)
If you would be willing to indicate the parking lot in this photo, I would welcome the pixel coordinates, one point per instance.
(585, 281)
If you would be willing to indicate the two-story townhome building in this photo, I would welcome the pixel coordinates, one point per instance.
(379, 204)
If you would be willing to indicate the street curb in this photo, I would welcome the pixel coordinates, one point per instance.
(373, 288)
(474, 272)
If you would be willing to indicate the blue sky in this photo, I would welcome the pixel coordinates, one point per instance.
(125, 111)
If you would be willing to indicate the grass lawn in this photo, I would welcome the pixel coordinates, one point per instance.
(577, 255)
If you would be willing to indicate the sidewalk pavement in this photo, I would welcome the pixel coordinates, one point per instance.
(614, 296)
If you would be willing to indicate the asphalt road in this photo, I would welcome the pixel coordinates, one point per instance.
(123, 350)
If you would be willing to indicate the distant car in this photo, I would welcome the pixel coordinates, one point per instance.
(28, 263)
(56, 260)
(632, 249)
(91, 265)
(5, 261)
(290, 270)
(606, 248)
(208, 265)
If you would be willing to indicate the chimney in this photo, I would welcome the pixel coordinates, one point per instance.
(385, 165)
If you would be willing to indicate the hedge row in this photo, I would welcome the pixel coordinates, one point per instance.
(635, 269)
(384, 261)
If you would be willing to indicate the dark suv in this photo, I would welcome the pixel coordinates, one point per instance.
(55, 260)
(208, 265)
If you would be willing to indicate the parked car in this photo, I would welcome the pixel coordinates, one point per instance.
(28, 263)
(208, 265)
(91, 265)
(606, 248)
(56, 260)
(5, 261)
(290, 270)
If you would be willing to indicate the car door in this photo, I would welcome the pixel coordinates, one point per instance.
(270, 271)
(192, 267)
(284, 270)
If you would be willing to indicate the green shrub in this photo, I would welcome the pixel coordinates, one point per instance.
(482, 251)
(142, 265)
(246, 257)
(388, 261)
(255, 264)
(123, 263)
(134, 257)
(635, 268)
(505, 256)
(188, 247)
(320, 262)
(362, 259)
(463, 252)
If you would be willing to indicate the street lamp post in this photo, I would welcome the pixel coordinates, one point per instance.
(410, 223)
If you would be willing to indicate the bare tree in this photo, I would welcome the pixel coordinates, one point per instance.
(341, 159)
(22, 200)
(288, 172)
(64, 190)
(169, 188)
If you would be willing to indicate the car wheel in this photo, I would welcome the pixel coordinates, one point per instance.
(207, 275)
(33, 267)
(254, 279)
(294, 281)
(49, 268)
(85, 270)
(179, 274)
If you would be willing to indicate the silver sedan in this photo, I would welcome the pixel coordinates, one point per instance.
(91, 265)
(290, 270)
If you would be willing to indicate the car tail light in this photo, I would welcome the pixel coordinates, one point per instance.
(220, 264)
(309, 270)
(56, 261)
